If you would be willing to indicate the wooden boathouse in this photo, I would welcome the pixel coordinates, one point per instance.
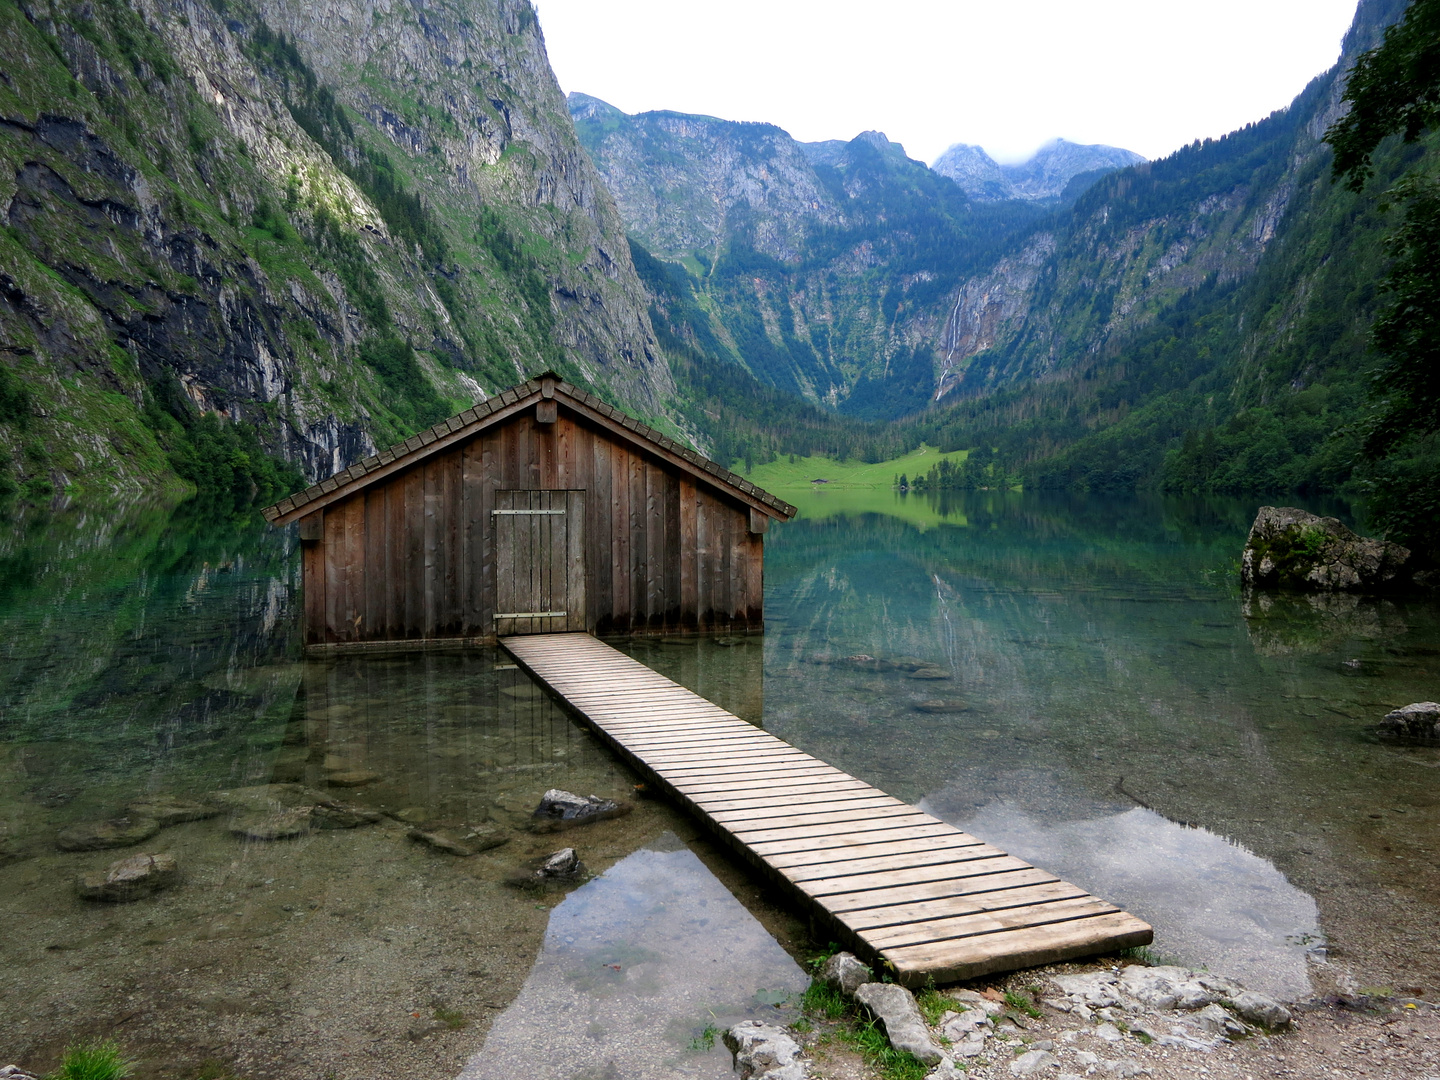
(541, 510)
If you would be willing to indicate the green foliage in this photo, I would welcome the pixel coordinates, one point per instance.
(451, 1018)
(934, 1005)
(414, 399)
(821, 999)
(869, 1038)
(15, 406)
(225, 461)
(1407, 331)
(1394, 89)
(100, 1059)
(1024, 1003)
(705, 1041)
(982, 470)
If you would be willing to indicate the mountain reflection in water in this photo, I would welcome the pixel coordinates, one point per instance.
(1212, 902)
(637, 965)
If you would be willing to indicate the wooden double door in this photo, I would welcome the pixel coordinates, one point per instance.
(539, 561)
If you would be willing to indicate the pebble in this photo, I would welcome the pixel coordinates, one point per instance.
(100, 835)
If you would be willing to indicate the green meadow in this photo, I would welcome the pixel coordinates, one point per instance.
(855, 487)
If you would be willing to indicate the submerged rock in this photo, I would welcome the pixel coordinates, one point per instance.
(102, 835)
(334, 815)
(168, 810)
(845, 973)
(356, 778)
(1291, 549)
(562, 809)
(276, 825)
(129, 879)
(1419, 722)
(930, 674)
(559, 868)
(265, 797)
(765, 1052)
(895, 1008)
(462, 844)
(943, 705)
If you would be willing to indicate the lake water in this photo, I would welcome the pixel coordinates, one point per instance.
(1111, 708)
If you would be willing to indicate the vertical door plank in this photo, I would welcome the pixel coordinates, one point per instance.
(561, 526)
(755, 582)
(414, 547)
(622, 601)
(489, 485)
(503, 530)
(431, 523)
(600, 536)
(688, 556)
(639, 610)
(674, 551)
(654, 545)
(576, 617)
(313, 569)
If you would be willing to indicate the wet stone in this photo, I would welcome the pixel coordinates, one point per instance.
(358, 778)
(930, 674)
(265, 797)
(102, 835)
(559, 868)
(129, 879)
(943, 705)
(339, 816)
(562, 809)
(169, 810)
(1418, 722)
(276, 825)
(462, 844)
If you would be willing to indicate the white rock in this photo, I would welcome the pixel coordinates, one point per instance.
(1033, 1063)
(1108, 1032)
(844, 972)
(946, 1070)
(1085, 1057)
(971, 1000)
(1096, 989)
(904, 1027)
(765, 1052)
(1259, 1009)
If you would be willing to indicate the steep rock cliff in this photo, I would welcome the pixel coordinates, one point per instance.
(206, 220)
(822, 268)
(1058, 170)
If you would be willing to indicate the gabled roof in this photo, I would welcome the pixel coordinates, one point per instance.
(461, 427)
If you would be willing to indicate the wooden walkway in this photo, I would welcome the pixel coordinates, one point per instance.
(891, 883)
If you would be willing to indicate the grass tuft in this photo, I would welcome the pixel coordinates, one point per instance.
(1024, 1003)
(875, 1048)
(705, 1041)
(934, 1005)
(824, 1001)
(98, 1059)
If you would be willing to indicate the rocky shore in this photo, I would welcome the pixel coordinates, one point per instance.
(1112, 1018)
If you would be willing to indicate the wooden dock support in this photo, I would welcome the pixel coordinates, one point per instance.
(905, 891)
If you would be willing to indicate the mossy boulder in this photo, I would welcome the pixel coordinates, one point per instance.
(1292, 549)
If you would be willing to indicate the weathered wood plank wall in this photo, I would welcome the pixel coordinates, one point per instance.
(414, 556)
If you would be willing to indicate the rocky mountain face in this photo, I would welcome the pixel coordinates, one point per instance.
(322, 225)
(821, 268)
(1144, 240)
(1058, 170)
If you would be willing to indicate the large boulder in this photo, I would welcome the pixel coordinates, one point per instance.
(1291, 549)
(129, 879)
(1419, 722)
(765, 1052)
(895, 1008)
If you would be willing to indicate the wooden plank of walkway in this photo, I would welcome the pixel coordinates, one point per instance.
(901, 888)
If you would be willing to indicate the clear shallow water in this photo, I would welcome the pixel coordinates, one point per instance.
(1127, 719)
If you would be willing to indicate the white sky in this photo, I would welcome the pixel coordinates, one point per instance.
(1148, 75)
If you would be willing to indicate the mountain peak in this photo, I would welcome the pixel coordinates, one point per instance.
(1046, 175)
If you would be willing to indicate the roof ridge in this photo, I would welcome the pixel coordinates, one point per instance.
(509, 396)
